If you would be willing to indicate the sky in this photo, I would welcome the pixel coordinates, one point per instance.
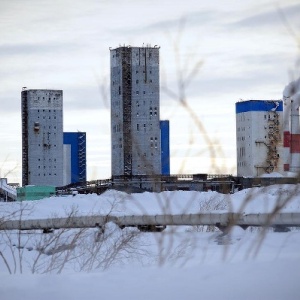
(221, 52)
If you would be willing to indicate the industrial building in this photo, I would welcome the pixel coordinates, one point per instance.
(42, 137)
(30, 192)
(135, 123)
(74, 157)
(8, 192)
(259, 131)
(291, 127)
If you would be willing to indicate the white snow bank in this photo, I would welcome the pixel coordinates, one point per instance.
(250, 280)
(254, 200)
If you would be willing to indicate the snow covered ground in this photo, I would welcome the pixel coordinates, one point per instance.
(179, 263)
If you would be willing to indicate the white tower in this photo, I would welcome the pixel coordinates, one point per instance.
(135, 127)
(42, 137)
(259, 137)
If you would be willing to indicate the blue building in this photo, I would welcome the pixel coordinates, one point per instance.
(74, 157)
(165, 147)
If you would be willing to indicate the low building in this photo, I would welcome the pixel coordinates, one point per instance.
(32, 192)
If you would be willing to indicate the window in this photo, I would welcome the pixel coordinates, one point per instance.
(138, 127)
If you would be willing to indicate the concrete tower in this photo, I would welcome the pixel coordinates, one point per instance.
(259, 128)
(135, 127)
(42, 137)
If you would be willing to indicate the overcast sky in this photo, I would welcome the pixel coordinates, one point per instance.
(224, 51)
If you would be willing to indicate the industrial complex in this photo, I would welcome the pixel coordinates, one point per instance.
(53, 161)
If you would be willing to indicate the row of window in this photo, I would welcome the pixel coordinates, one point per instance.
(241, 117)
(275, 117)
(49, 98)
(242, 129)
(144, 154)
(47, 145)
(50, 110)
(138, 104)
(49, 167)
(137, 54)
(117, 146)
(143, 127)
(144, 81)
(37, 124)
(54, 159)
(44, 117)
(136, 92)
(50, 174)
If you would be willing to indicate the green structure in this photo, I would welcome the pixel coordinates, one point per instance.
(34, 192)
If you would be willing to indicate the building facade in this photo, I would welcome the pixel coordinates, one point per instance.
(291, 129)
(259, 131)
(135, 125)
(42, 137)
(74, 157)
(165, 147)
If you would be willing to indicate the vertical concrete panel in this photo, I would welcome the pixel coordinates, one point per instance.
(165, 147)
(67, 164)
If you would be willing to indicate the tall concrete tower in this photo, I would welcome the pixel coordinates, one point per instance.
(259, 128)
(42, 137)
(135, 127)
